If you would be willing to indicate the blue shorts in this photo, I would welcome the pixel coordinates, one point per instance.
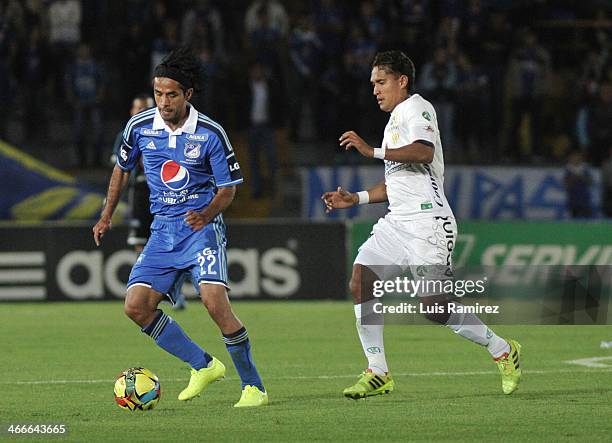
(174, 248)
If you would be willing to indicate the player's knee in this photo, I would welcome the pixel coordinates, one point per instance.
(134, 312)
(137, 312)
(355, 284)
(355, 288)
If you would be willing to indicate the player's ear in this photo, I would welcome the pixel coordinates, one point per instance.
(188, 94)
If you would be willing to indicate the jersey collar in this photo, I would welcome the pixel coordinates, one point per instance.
(189, 126)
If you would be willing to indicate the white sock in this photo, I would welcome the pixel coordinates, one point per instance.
(371, 337)
(469, 326)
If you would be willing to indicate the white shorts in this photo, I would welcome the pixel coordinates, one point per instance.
(424, 246)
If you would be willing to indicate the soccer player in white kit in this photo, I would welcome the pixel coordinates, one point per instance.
(419, 231)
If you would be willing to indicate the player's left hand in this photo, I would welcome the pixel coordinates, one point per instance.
(339, 199)
(101, 227)
(196, 220)
(350, 139)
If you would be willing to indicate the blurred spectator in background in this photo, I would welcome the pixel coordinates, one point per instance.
(264, 106)
(203, 22)
(136, 49)
(529, 71)
(412, 28)
(331, 119)
(330, 21)
(8, 55)
(577, 180)
(154, 13)
(305, 52)
(588, 91)
(85, 90)
(438, 82)
(330, 18)
(165, 43)
(472, 29)
(64, 37)
(493, 58)
(277, 15)
(447, 35)
(360, 51)
(33, 67)
(600, 124)
(606, 185)
(264, 42)
(206, 101)
(35, 14)
(372, 21)
(473, 100)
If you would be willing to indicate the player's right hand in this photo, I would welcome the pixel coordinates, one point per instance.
(100, 229)
(339, 199)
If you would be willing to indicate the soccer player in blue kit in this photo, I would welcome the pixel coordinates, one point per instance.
(192, 173)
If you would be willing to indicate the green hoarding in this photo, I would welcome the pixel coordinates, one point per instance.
(522, 243)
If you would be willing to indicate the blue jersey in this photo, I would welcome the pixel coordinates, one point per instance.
(184, 167)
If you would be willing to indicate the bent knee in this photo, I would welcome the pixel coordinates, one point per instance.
(355, 289)
(355, 283)
(135, 312)
(361, 284)
(139, 312)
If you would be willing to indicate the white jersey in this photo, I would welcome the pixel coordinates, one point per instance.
(415, 190)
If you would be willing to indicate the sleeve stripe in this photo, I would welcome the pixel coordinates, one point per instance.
(425, 142)
(235, 182)
(138, 118)
(203, 119)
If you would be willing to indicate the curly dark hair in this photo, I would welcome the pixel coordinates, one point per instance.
(396, 62)
(181, 65)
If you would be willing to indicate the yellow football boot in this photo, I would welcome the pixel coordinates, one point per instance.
(510, 368)
(202, 378)
(252, 397)
(370, 384)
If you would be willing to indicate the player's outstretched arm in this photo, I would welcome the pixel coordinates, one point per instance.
(340, 198)
(417, 152)
(420, 151)
(221, 201)
(117, 183)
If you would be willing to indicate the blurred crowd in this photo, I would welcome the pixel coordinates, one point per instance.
(513, 82)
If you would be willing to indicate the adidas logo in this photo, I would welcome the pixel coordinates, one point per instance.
(151, 145)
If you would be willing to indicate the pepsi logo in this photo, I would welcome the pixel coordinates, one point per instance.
(174, 176)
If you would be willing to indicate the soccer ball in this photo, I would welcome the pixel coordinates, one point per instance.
(137, 389)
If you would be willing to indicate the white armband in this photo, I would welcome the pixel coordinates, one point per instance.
(379, 153)
(364, 197)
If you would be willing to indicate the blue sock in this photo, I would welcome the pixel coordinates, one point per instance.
(239, 348)
(171, 338)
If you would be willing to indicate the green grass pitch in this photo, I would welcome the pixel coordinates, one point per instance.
(58, 362)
